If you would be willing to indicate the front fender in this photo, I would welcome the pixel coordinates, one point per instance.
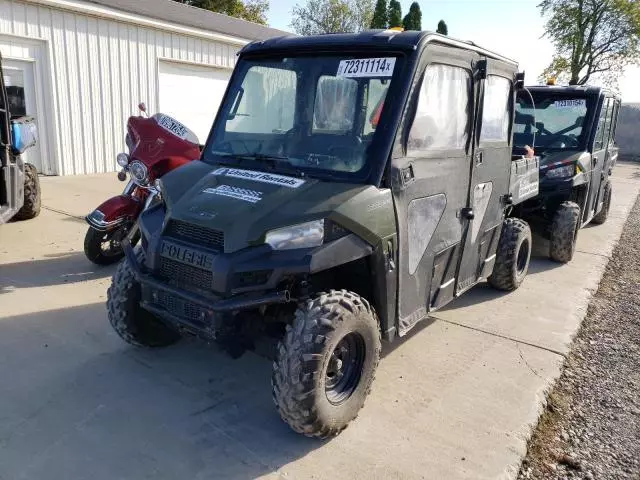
(115, 212)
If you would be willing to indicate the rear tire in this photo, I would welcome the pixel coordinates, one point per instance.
(603, 214)
(32, 198)
(513, 255)
(132, 323)
(326, 363)
(564, 232)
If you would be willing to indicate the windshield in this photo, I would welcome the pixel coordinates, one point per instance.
(312, 113)
(555, 123)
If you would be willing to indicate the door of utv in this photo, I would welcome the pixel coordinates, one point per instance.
(599, 158)
(11, 175)
(430, 180)
(490, 174)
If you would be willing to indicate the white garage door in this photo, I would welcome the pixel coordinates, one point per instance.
(192, 94)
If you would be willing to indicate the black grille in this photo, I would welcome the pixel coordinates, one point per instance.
(179, 307)
(196, 234)
(185, 274)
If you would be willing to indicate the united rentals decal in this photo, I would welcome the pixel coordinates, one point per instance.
(263, 177)
(245, 194)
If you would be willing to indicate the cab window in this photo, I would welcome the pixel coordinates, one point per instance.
(267, 101)
(601, 133)
(495, 110)
(441, 120)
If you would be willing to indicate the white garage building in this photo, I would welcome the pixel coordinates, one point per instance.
(81, 68)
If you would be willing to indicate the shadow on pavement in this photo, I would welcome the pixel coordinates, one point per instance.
(84, 401)
(54, 269)
(389, 348)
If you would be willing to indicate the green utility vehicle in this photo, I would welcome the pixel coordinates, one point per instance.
(350, 185)
(572, 129)
(19, 184)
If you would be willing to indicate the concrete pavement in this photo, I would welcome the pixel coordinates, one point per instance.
(456, 399)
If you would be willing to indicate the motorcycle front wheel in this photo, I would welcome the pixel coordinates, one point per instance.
(105, 248)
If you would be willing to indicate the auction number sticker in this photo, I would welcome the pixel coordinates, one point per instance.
(173, 126)
(579, 102)
(366, 67)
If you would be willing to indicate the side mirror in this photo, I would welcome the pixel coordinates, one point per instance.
(519, 81)
(143, 107)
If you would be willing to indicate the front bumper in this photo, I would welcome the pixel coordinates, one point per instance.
(196, 312)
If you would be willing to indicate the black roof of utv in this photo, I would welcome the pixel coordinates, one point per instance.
(580, 90)
(366, 40)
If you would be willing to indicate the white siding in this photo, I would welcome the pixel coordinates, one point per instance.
(92, 73)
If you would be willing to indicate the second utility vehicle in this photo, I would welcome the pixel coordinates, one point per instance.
(351, 184)
(572, 130)
(19, 183)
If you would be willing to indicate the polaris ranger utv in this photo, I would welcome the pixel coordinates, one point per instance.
(351, 184)
(19, 184)
(572, 130)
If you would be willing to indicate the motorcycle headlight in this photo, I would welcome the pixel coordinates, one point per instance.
(138, 171)
(562, 172)
(122, 159)
(303, 235)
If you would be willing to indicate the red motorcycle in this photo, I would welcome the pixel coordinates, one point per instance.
(157, 145)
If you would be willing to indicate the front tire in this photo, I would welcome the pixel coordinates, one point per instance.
(564, 232)
(100, 247)
(131, 322)
(513, 255)
(32, 195)
(603, 214)
(326, 363)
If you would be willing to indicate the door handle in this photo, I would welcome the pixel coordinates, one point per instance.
(479, 158)
(468, 213)
(594, 160)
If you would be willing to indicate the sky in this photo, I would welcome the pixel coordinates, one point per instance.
(513, 28)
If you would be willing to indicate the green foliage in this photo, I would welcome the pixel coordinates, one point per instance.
(380, 15)
(395, 14)
(413, 19)
(332, 16)
(591, 37)
(442, 28)
(250, 10)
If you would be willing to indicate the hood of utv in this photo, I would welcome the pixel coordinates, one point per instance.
(244, 203)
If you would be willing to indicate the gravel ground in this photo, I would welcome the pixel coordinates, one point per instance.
(591, 426)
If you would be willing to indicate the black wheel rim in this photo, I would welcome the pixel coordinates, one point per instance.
(110, 243)
(344, 368)
(523, 257)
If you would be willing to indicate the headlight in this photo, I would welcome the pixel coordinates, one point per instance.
(122, 159)
(138, 171)
(304, 235)
(562, 172)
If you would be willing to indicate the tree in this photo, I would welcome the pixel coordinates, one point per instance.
(250, 10)
(592, 37)
(413, 19)
(332, 16)
(395, 14)
(442, 28)
(380, 15)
